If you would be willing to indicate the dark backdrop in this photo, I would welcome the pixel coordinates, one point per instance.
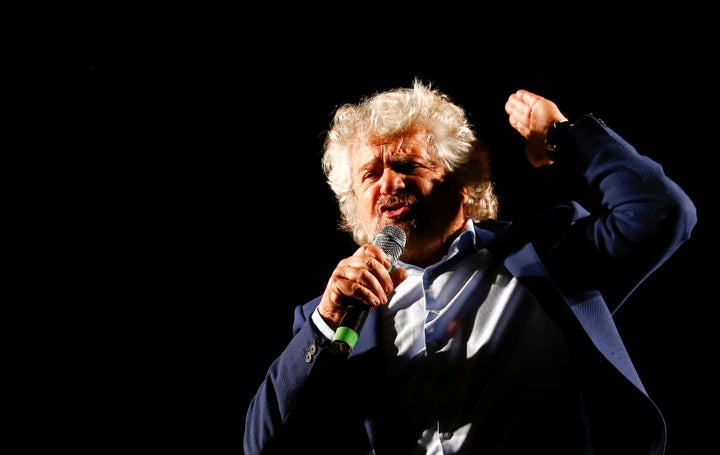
(204, 217)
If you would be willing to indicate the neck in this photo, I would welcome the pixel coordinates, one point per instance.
(426, 251)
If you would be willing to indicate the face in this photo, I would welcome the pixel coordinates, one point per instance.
(401, 181)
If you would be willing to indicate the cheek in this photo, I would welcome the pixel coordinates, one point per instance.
(425, 187)
(366, 198)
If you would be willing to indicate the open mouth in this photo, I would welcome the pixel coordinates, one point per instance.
(394, 210)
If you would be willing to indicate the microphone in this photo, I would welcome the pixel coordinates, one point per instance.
(391, 239)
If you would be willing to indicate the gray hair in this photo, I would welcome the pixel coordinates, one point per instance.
(397, 111)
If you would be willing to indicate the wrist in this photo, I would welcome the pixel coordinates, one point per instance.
(556, 134)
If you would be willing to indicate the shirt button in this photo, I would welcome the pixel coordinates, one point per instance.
(447, 435)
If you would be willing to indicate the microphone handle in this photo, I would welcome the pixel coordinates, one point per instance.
(391, 239)
(347, 333)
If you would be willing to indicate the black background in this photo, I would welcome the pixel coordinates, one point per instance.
(196, 201)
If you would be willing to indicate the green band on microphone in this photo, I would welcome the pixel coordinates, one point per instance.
(346, 335)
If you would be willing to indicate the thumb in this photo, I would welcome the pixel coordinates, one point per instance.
(398, 275)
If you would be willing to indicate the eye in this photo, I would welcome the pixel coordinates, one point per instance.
(405, 167)
(371, 175)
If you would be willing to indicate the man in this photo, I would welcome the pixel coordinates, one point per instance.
(485, 336)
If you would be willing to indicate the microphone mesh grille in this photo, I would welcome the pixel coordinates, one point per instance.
(391, 239)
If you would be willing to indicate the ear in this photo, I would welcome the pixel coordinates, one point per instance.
(465, 197)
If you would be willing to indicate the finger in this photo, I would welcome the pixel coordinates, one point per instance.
(375, 252)
(513, 104)
(363, 278)
(519, 111)
(398, 275)
(369, 289)
(376, 275)
(375, 265)
(519, 98)
(527, 97)
(520, 123)
(359, 285)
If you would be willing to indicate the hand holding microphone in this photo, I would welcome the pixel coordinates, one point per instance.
(391, 239)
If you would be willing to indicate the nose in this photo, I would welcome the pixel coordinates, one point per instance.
(391, 181)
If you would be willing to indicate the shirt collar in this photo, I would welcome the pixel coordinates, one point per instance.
(462, 245)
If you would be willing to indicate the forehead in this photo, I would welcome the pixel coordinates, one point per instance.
(413, 144)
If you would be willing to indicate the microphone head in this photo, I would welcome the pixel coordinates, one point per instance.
(391, 239)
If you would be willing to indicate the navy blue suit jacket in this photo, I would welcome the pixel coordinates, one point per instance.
(582, 259)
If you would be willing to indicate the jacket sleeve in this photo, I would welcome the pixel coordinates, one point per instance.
(297, 400)
(625, 219)
(635, 216)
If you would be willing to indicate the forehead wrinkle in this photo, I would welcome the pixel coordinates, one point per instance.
(397, 148)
